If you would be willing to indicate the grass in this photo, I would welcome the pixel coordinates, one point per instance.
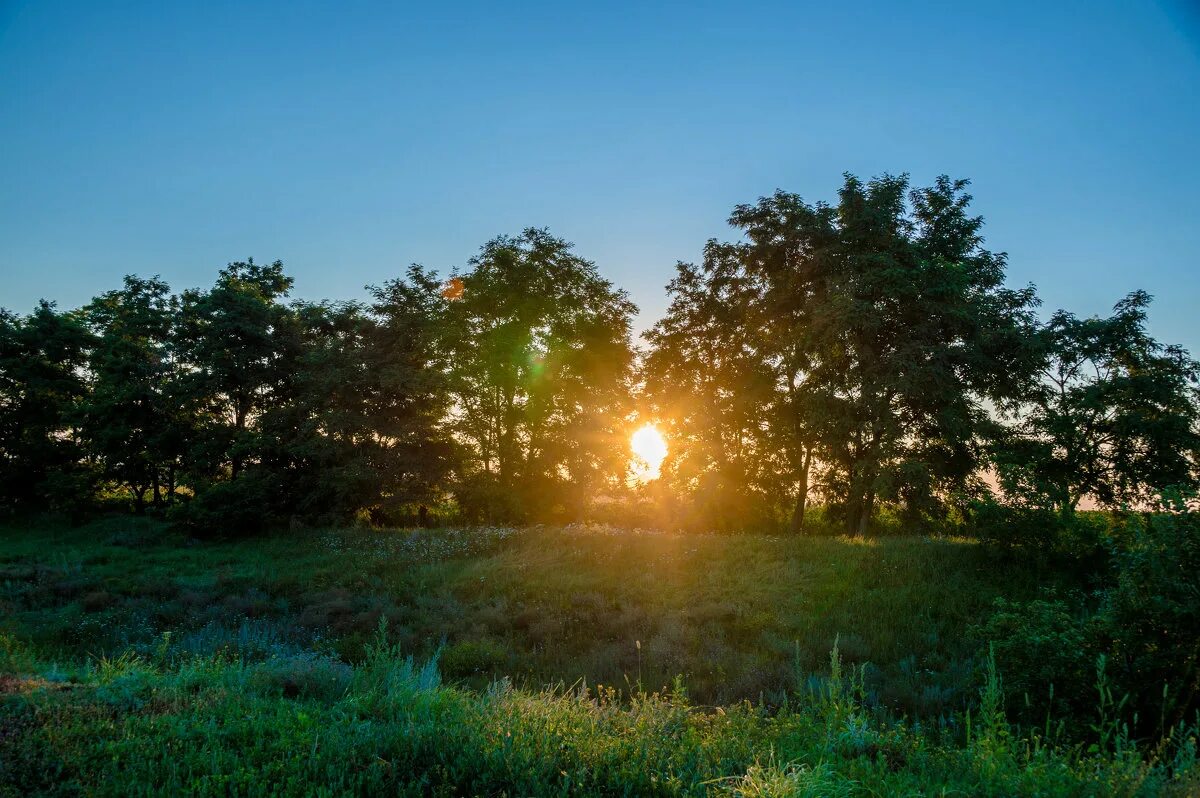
(521, 662)
(733, 615)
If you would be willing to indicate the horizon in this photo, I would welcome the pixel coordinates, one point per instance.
(349, 144)
(693, 439)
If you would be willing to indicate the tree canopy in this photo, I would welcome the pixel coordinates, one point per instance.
(862, 356)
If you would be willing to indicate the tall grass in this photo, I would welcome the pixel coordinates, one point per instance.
(734, 616)
(523, 662)
(136, 725)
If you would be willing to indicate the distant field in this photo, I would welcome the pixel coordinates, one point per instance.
(734, 616)
(517, 662)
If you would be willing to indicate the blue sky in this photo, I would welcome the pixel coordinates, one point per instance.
(350, 139)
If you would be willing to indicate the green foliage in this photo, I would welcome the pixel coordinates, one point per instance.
(903, 325)
(1151, 614)
(859, 340)
(738, 616)
(366, 661)
(714, 391)
(233, 336)
(42, 387)
(541, 361)
(1141, 623)
(1040, 533)
(864, 354)
(133, 418)
(249, 504)
(1114, 417)
(1045, 649)
(406, 396)
(215, 726)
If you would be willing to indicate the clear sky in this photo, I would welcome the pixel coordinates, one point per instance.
(349, 139)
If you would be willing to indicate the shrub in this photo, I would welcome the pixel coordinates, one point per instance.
(1143, 624)
(1151, 616)
(304, 675)
(1038, 532)
(241, 506)
(250, 640)
(468, 658)
(482, 499)
(1046, 652)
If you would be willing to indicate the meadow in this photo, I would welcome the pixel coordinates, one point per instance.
(526, 661)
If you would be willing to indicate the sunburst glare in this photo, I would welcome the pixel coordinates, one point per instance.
(649, 448)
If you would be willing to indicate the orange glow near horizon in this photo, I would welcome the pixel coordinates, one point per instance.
(649, 449)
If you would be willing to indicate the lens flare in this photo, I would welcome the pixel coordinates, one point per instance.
(649, 448)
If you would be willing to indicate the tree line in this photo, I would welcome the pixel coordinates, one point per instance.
(865, 356)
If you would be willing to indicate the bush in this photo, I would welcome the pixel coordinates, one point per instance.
(482, 499)
(304, 675)
(1143, 624)
(1151, 616)
(1046, 651)
(388, 726)
(241, 506)
(1039, 532)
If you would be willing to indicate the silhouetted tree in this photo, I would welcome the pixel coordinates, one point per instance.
(783, 234)
(230, 339)
(886, 326)
(131, 419)
(42, 385)
(709, 381)
(1114, 417)
(407, 396)
(867, 350)
(542, 367)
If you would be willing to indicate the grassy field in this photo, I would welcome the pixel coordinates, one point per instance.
(519, 662)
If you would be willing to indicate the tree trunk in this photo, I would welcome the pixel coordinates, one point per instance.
(866, 509)
(139, 499)
(156, 497)
(862, 506)
(171, 484)
(863, 515)
(802, 495)
(506, 454)
(239, 425)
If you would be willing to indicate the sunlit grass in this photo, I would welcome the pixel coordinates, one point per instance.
(219, 725)
(733, 615)
(134, 657)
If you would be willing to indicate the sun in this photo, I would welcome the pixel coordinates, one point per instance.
(649, 448)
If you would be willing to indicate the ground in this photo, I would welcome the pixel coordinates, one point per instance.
(509, 661)
(733, 615)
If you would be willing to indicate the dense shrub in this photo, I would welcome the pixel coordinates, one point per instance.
(1151, 615)
(1040, 532)
(236, 507)
(1046, 651)
(1137, 634)
(481, 498)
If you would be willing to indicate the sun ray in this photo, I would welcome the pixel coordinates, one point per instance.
(649, 450)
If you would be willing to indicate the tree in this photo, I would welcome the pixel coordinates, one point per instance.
(892, 325)
(230, 338)
(709, 381)
(132, 419)
(542, 360)
(1114, 416)
(784, 236)
(407, 400)
(42, 385)
(306, 457)
(356, 424)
